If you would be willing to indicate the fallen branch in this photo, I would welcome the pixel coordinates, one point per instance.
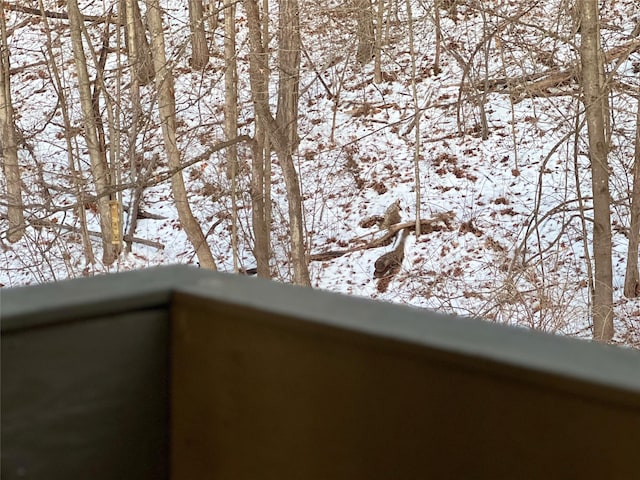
(438, 223)
(126, 238)
(57, 15)
(553, 82)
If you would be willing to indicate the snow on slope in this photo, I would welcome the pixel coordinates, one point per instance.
(514, 250)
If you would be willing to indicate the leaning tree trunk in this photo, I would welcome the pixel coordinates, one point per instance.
(8, 144)
(199, 48)
(595, 97)
(98, 168)
(283, 131)
(632, 276)
(167, 109)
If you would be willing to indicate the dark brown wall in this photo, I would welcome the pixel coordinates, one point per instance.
(87, 400)
(260, 396)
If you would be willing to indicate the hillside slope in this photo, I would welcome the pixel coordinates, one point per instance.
(504, 179)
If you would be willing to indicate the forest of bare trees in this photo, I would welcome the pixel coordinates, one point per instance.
(269, 136)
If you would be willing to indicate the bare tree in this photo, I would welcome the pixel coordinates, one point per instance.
(199, 48)
(283, 129)
(595, 101)
(99, 170)
(632, 276)
(8, 143)
(167, 109)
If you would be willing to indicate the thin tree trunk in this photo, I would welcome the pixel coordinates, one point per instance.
(199, 47)
(167, 109)
(98, 167)
(414, 92)
(129, 7)
(115, 133)
(231, 119)
(438, 46)
(596, 113)
(632, 276)
(8, 143)
(377, 67)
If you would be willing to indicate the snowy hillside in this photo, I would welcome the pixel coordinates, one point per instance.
(507, 234)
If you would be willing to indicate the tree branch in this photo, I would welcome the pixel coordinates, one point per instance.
(440, 222)
(58, 15)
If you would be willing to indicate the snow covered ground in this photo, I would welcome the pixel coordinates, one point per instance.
(513, 247)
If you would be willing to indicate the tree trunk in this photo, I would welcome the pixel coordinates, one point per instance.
(438, 45)
(259, 204)
(137, 43)
(260, 178)
(199, 47)
(8, 144)
(594, 99)
(230, 87)
(632, 276)
(231, 119)
(287, 123)
(98, 168)
(129, 9)
(416, 106)
(265, 124)
(112, 148)
(167, 109)
(262, 137)
(283, 131)
(365, 32)
(211, 13)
